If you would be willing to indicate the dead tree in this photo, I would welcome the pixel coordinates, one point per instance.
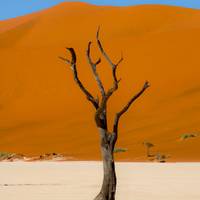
(107, 138)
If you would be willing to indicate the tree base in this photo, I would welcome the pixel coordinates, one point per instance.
(100, 196)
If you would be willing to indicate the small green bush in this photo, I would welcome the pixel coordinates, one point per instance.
(4, 155)
(119, 150)
(188, 135)
(161, 157)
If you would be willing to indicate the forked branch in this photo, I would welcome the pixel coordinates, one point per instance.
(113, 66)
(94, 69)
(72, 63)
(100, 115)
(114, 87)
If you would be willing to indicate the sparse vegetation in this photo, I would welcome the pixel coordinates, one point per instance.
(5, 155)
(148, 146)
(188, 135)
(10, 157)
(161, 157)
(120, 150)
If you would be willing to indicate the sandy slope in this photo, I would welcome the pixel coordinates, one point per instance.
(41, 109)
(82, 180)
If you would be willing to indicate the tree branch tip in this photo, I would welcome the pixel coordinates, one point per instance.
(98, 61)
(64, 59)
(70, 49)
(61, 58)
(146, 84)
(119, 80)
(121, 59)
(98, 30)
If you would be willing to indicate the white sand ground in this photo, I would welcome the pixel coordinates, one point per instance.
(82, 180)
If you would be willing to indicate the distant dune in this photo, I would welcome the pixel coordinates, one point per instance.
(42, 110)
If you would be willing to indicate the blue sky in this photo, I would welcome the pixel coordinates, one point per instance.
(13, 8)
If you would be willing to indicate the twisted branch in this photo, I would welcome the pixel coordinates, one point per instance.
(72, 63)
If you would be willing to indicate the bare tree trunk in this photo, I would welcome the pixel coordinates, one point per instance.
(108, 188)
(107, 139)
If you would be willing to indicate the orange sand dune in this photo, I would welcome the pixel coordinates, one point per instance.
(42, 110)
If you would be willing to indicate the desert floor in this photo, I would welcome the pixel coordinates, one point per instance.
(82, 180)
